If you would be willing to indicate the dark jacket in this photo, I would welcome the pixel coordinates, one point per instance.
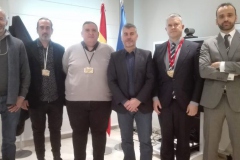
(36, 72)
(18, 70)
(143, 80)
(186, 82)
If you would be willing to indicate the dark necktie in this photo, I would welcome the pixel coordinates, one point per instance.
(226, 42)
(172, 52)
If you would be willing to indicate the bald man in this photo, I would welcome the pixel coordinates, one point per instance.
(14, 83)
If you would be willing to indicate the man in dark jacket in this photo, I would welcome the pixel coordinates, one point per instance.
(14, 83)
(131, 80)
(178, 89)
(46, 92)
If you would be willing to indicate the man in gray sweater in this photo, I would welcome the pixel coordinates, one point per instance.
(88, 98)
(14, 83)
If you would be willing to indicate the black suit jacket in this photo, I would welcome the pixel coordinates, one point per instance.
(143, 80)
(36, 72)
(186, 82)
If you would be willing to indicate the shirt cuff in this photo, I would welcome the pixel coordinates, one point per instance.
(222, 66)
(230, 77)
(22, 97)
(194, 103)
(155, 98)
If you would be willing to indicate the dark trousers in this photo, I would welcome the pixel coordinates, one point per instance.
(175, 123)
(84, 115)
(54, 111)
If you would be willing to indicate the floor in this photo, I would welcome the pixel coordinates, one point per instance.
(67, 149)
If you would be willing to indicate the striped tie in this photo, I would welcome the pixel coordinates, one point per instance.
(172, 51)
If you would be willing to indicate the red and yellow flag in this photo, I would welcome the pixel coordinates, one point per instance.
(103, 27)
(103, 38)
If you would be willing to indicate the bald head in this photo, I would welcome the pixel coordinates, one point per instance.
(3, 14)
(3, 22)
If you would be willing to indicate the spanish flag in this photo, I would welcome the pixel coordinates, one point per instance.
(103, 27)
(103, 38)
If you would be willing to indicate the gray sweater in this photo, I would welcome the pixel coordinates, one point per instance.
(82, 86)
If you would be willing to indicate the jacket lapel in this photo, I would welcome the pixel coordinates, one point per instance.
(136, 63)
(234, 45)
(122, 59)
(221, 47)
(182, 55)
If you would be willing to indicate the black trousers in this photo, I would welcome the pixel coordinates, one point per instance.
(175, 123)
(54, 111)
(84, 115)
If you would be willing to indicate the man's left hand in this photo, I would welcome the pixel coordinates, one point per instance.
(192, 110)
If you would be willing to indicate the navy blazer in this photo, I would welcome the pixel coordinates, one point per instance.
(186, 82)
(143, 80)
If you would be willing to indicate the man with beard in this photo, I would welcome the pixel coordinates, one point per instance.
(131, 80)
(220, 67)
(46, 93)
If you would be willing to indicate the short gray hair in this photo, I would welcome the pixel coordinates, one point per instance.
(173, 15)
(47, 19)
(89, 22)
(129, 25)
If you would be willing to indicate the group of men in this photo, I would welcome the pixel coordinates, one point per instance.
(91, 80)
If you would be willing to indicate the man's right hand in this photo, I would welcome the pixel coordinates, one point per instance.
(157, 106)
(25, 105)
(128, 106)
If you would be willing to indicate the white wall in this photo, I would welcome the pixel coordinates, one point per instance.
(150, 19)
(67, 17)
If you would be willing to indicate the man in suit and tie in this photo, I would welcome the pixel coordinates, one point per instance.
(131, 80)
(178, 89)
(220, 67)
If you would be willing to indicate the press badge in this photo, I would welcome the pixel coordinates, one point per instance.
(88, 70)
(45, 72)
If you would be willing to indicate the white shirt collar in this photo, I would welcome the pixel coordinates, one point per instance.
(231, 33)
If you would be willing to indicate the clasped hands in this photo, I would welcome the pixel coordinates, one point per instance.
(132, 104)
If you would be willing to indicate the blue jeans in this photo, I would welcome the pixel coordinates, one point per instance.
(9, 125)
(144, 130)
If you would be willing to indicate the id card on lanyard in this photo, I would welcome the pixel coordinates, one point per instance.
(45, 72)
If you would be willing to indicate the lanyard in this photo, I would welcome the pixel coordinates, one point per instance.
(45, 59)
(89, 60)
(171, 61)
